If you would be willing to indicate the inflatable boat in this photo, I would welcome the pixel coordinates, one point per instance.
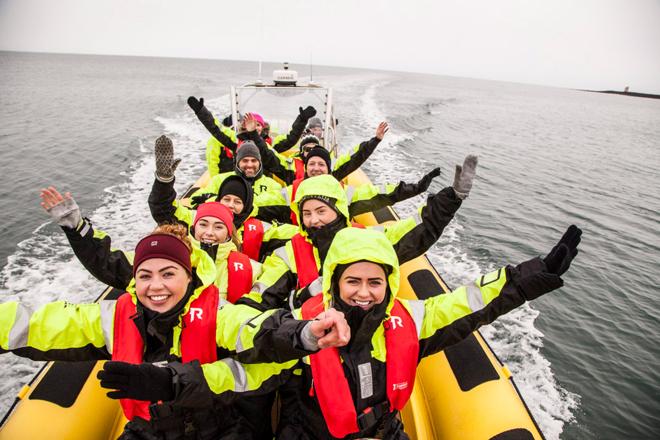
(464, 392)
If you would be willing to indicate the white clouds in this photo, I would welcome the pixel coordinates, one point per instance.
(587, 44)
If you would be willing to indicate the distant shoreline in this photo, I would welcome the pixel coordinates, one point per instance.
(633, 94)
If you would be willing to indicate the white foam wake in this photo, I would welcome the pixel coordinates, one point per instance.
(43, 268)
(513, 337)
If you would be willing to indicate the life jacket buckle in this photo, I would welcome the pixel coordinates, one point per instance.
(372, 415)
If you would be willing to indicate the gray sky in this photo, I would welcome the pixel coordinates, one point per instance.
(596, 44)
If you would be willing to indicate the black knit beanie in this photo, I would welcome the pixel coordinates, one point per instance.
(234, 187)
(319, 152)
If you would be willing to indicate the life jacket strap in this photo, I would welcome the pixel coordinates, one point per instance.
(372, 415)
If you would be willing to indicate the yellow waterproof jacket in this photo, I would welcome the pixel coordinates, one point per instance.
(440, 320)
(259, 186)
(76, 332)
(275, 205)
(276, 287)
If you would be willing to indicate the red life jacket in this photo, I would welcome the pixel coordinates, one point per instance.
(253, 237)
(300, 168)
(303, 252)
(331, 387)
(197, 339)
(294, 187)
(239, 275)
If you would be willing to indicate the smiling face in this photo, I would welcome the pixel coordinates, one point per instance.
(316, 131)
(316, 214)
(210, 230)
(232, 202)
(363, 285)
(316, 166)
(160, 284)
(249, 165)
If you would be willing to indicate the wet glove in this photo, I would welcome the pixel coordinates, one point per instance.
(196, 104)
(464, 177)
(137, 381)
(66, 213)
(165, 162)
(539, 276)
(307, 113)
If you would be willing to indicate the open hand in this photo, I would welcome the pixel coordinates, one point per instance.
(383, 128)
(62, 209)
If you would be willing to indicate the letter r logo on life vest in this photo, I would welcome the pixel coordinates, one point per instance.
(238, 266)
(396, 322)
(195, 311)
(252, 228)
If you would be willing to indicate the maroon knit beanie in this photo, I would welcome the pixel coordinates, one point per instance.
(162, 246)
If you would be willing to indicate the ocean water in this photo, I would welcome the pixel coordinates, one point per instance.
(585, 357)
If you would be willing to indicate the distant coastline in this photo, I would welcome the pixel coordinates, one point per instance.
(633, 94)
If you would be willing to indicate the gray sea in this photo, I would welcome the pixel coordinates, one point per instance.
(586, 357)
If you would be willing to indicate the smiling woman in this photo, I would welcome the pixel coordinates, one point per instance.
(170, 313)
(162, 268)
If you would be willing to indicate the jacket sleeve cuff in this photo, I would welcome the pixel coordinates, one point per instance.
(307, 339)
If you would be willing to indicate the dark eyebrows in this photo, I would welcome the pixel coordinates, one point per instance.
(368, 279)
(161, 270)
(168, 268)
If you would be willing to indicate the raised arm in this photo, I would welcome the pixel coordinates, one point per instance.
(413, 236)
(450, 318)
(93, 248)
(368, 198)
(208, 121)
(272, 162)
(349, 162)
(282, 144)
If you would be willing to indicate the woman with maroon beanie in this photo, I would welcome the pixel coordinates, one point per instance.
(169, 314)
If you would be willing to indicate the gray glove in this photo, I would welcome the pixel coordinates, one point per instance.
(165, 162)
(464, 176)
(66, 213)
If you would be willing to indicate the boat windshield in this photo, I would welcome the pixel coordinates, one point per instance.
(279, 106)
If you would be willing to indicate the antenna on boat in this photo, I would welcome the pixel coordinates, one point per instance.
(259, 81)
(311, 69)
(261, 46)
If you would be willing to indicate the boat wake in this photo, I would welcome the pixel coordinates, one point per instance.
(44, 269)
(513, 337)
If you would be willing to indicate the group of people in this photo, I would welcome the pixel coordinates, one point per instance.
(262, 284)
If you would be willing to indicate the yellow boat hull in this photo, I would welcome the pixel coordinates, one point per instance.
(461, 393)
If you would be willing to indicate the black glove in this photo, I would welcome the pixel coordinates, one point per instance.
(227, 121)
(196, 104)
(537, 277)
(560, 257)
(198, 200)
(308, 113)
(425, 181)
(137, 381)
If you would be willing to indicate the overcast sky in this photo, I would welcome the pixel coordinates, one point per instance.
(596, 44)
